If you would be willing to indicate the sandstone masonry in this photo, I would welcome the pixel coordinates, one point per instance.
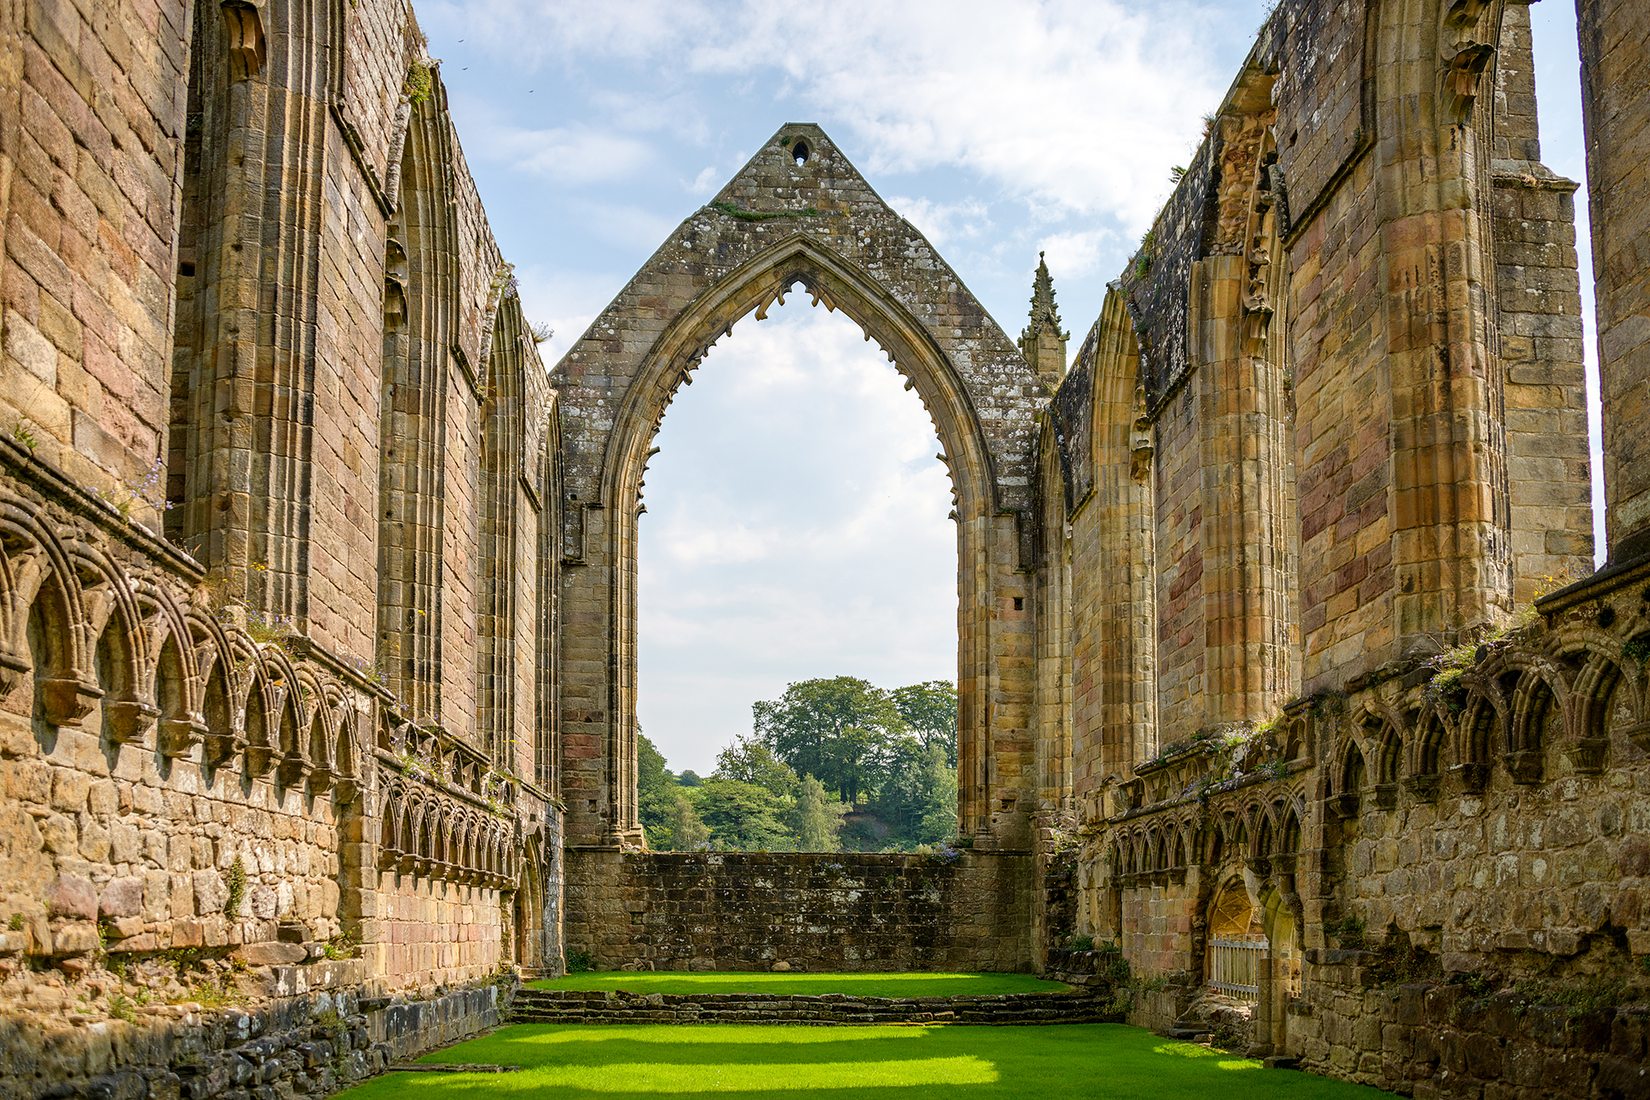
(1285, 678)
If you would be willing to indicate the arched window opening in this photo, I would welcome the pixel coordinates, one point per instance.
(797, 532)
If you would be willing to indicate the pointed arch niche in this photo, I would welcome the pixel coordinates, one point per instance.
(783, 222)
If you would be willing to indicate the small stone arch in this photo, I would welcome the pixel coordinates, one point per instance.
(1534, 707)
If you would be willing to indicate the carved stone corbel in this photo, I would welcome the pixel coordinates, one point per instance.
(127, 720)
(65, 700)
(179, 736)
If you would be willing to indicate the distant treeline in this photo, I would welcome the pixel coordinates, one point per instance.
(832, 765)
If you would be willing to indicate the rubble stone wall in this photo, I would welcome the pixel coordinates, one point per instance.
(811, 911)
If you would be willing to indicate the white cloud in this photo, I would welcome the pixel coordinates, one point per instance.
(944, 222)
(1075, 254)
(574, 154)
(1077, 105)
(565, 300)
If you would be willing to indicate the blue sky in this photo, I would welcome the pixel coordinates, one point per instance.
(796, 519)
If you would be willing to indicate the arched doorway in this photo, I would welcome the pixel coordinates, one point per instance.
(813, 223)
(1237, 945)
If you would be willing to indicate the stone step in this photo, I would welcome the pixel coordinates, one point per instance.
(1189, 1034)
(570, 1006)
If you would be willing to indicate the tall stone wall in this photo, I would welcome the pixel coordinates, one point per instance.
(798, 214)
(274, 439)
(963, 911)
(1366, 732)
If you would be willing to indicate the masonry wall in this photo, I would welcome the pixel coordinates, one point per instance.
(231, 776)
(1353, 336)
(806, 912)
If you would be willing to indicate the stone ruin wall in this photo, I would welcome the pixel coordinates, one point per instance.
(1327, 424)
(240, 762)
(1335, 426)
(836, 911)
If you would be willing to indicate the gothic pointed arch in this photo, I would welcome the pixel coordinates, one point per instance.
(784, 222)
(420, 298)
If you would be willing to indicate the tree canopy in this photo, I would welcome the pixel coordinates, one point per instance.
(836, 730)
(833, 763)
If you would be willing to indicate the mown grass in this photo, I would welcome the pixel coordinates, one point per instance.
(573, 1061)
(856, 985)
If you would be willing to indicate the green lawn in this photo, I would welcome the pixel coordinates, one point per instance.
(901, 1063)
(859, 985)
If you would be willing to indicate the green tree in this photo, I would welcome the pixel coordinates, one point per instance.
(751, 761)
(929, 710)
(654, 782)
(744, 817)
(835, 729)
(816, 820)
(938, 820)
(916, 802)
(682, 829)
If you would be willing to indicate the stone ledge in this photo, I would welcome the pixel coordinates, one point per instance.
(578, 1006)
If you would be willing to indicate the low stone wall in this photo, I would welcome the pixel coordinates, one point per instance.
(309, 1045)
(1443, 1039)
(617, 1007)
(816, 911)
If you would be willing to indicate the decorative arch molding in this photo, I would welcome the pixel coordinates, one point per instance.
(785, 221)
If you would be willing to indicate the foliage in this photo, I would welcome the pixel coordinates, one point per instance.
(235, 880)
(579, 962)
(750, 761)
(149, 490)
(1579, 995)
(917, 795)
(668, 816)
(268, 629)
(839, 730)
(1398, 961)
(744, 817)
(541, 332)
(929, 710)
(915, 1063)
(342, 946)
(740, 213)
(24, 436)
(1348, 932)
(816, 821)
(1148, 253)
(1444, 689)
(839, 764)
(420, 83)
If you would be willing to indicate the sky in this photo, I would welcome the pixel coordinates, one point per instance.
(797, 516)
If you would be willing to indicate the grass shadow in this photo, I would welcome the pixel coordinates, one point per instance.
(595, 1062)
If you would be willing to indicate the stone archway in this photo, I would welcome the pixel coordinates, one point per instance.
(797, 215)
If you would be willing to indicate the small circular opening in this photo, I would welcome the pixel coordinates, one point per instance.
(800, 152)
